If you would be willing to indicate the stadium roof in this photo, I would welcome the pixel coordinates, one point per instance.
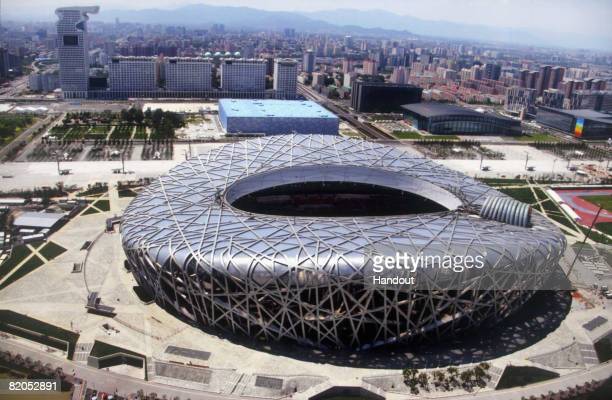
(433, 109)
(38, 219)
(274, 108)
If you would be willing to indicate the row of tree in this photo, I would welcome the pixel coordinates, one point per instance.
(468, 379)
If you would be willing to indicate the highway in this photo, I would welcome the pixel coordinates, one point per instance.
(364, 128)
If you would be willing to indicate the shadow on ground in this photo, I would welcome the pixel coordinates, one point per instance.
(541, 315)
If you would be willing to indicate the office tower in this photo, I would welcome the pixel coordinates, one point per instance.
(188, 74)
(241, 75)
(308, 62)
(552, 98)
(369, 94)
(370, 67)
(400, 75)
(523, 78)
(556, 76)
(348, 79)
(520, 99)
(73, 50)
(348, 42)
(543, 79)
(133, 76)
(285, 79)
(532, 80)
(491, 71)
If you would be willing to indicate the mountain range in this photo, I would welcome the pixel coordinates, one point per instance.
(349, 21)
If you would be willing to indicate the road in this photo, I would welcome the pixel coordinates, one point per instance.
(23, 136)
(364, 128)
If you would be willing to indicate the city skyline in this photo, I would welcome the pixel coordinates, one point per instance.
(561, 18)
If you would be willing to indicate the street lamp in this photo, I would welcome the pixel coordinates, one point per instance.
(526, 158)
(553, 168)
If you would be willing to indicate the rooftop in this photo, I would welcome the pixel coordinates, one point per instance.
(38, 219)
(434, 109)
(274, 108)
(583, 113)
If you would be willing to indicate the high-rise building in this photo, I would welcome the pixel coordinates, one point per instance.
(133, 76)
(523, 77)
(400, 75)
(308, 62)
(285, 79)
(73, 50)
(597, 100)
(188, 74)
(491, 71)
(556, 76)
(347, 65)
(543, 79)
(242, 75)
(348, 42)
(532, 80)
(519, 99)
(370, 67)
(552, 98)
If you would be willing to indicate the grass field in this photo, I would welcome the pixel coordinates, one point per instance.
(33, 263)
(47, 334)
(537, 137)
(521, 194)
(51, 250)
(407, 135)
(102, 205)
(605, 227)
(604, 201)
(102, 349)
(18, 255)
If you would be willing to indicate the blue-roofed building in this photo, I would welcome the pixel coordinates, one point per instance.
(276, 117)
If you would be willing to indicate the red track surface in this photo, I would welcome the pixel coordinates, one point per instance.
(585, 209)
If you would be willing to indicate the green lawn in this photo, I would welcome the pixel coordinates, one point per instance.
(102, 205)
(126, 193)
(522, 376)
(48, 334)
(102, 349)
(407, 135)
(604, 201)
(18, 255)
(536, 137)
(521, 194)
(605, 227)
(90, 210)
(33, 263)
(603, 349)
(51, 250)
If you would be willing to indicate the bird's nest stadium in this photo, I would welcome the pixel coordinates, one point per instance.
(271, 238)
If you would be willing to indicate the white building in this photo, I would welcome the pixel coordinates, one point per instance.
(285, 79)
(247, 76)
(73, 50)
(44, 82)
(133, 76)
(188, 74)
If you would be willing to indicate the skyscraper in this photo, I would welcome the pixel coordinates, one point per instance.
(285, 79)
(543, 79)
(491, 71)
(309, 62)
(73, 50)
(133, 76)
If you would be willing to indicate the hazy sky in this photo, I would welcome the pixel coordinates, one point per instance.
(590, 17)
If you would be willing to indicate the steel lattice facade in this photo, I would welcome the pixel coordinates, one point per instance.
(302, 278)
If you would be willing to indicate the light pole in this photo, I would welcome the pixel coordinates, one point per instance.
(481, 158)
(526, 159)
(553, 168)
(123, 162)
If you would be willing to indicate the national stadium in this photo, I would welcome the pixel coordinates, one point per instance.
(271, 238)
